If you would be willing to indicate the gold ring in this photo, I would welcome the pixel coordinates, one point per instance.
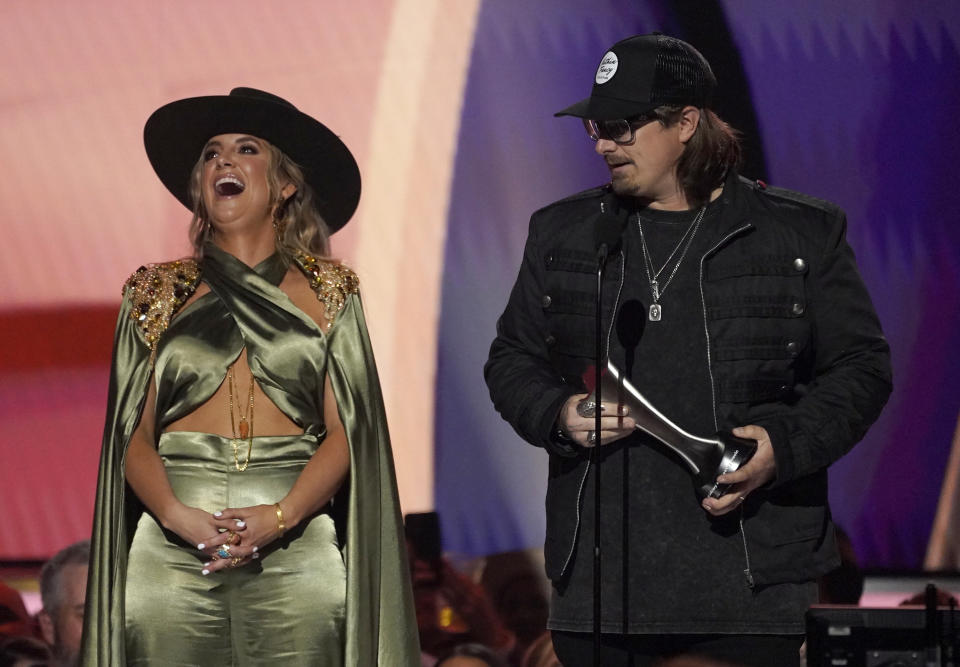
(235, 561)
(233, 537)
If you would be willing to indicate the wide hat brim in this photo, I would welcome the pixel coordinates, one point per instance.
(176, 133)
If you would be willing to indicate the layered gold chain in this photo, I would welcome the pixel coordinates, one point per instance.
(246, 423)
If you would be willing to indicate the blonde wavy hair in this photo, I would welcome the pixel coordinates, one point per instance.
(300, 227)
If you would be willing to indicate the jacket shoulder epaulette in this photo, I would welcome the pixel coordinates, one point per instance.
(599, 191)
(156, 292)
(793, 196)
(332, 282)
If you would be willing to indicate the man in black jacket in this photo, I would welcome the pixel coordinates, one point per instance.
(731, 306)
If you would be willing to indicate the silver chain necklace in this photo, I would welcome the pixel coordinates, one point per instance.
(655, 313)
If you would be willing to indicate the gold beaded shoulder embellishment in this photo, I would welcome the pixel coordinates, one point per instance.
(156, 292)
(333, 282)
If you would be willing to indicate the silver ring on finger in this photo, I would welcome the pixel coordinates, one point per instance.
(586, 408)
(591, 437)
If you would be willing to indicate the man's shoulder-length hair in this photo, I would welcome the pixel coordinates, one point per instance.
(713, 150)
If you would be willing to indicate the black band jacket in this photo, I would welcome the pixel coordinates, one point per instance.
(793, 345)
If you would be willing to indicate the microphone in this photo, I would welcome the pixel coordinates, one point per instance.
(608, 229)
(630, 324)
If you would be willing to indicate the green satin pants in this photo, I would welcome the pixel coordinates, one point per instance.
(286, 608)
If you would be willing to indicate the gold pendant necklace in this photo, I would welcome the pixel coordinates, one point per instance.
(246, 423)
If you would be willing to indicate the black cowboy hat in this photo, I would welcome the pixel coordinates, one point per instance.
(176, 133)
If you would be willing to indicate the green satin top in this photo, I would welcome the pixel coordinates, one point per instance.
(286, 350)
(290, 356)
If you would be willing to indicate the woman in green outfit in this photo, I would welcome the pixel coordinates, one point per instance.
(247, 510)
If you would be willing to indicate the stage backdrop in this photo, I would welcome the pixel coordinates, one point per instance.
(448, 108)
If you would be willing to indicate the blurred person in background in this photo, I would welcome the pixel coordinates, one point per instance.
(14, 619)
(843, 585)
(25, 652)
(451, 609)
(471, 655)
(540, 653)
(63, 591)
(519, 591)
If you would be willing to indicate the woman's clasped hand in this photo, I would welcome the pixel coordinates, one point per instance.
(240, 534)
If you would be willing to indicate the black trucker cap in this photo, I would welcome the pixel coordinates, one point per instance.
(641, 73)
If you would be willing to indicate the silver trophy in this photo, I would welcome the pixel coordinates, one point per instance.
(707, 458)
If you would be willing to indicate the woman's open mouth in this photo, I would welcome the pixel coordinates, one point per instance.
(228, 186)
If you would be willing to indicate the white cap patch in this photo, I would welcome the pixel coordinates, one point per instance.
(608, 67)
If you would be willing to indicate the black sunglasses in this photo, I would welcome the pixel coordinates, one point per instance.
(621, 131)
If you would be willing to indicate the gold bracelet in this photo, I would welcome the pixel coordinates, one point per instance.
(281, 526)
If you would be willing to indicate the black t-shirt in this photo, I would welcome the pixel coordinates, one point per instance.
(682, 571)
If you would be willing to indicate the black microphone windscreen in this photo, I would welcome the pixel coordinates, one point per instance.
(631, 321)
(608, 230)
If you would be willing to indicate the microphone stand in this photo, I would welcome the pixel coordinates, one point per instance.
(931, 628)
(595, 456)
(609, 228)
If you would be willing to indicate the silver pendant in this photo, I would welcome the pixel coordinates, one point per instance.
(655, 312)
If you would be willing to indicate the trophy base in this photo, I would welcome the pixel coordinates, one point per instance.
(736, 452)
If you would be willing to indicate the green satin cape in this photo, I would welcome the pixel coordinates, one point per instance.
(380, 622)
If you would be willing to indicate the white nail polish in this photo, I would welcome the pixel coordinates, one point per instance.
(255, 556)
(240, 524)
(201, 546)
(218, 513)
(207, 564)
(205, 572)
(255, 549)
